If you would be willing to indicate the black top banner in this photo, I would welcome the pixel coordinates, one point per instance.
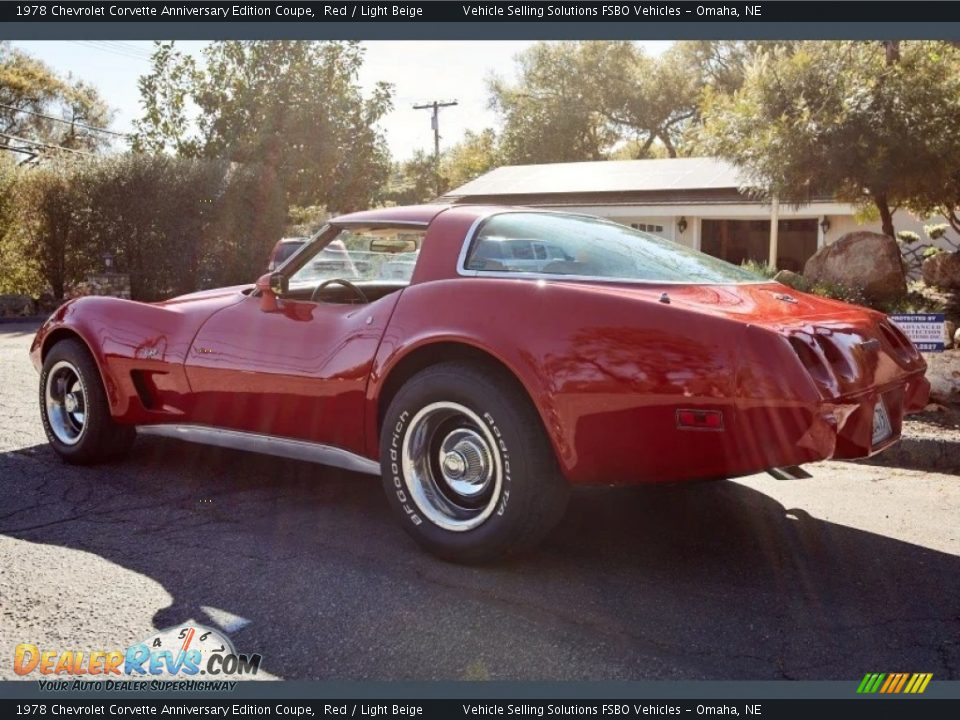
(782, 11)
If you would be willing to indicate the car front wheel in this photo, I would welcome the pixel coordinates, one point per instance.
(74, 408)
(467, 465)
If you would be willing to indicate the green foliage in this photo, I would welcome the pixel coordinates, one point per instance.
(18, 274)
(165, 97)
(763, 269)
(306, 220)
(474, 155)
(592, 100)
(175, 225)
(865, 122)
(908, 237)
(29, 86)
(412, 181)
(935, 232)
(294, 108)
(914, 302)
(840, 292)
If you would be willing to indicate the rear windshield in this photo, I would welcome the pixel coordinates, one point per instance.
(557, 244)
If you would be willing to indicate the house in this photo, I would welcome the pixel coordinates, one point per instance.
(700, 202)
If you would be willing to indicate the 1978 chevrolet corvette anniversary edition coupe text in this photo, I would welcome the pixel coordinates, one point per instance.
(482, 360)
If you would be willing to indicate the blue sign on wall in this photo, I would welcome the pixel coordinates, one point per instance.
(924, 330)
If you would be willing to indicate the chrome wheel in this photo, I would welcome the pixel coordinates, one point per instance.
(65, 398)
(452, 466)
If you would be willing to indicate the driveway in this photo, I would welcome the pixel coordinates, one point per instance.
(852, 571)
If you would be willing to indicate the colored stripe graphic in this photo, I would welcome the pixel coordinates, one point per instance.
(894, 683)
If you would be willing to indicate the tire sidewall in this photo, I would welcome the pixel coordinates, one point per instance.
(100, 438)
(62, 353)
(488, 402)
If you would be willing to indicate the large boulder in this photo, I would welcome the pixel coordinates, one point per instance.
(943, 372)
(792, 279)
(942, 270)
(867, 261)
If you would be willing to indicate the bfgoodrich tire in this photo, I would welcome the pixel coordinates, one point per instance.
(467, 466)
(74, 408)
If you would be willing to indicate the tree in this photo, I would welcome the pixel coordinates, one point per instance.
(31, 93)
(166, 124)
(651, 99)
(852, 120)
(474, 155)
(552, 113)
(293, 108)
(596, 99)
(51, 205)
(412, 181)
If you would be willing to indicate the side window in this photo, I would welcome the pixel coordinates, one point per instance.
(558, 244)
(364, 255)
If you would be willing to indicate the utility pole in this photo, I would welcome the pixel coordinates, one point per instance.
(435, 124)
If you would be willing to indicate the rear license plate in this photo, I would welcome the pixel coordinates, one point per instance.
(881, 423)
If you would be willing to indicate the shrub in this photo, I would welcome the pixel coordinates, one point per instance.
(174, 224)
(761, 268)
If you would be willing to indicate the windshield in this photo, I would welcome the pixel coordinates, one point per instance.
(557, 244)
(362, 255)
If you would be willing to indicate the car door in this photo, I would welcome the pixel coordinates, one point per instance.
(299, 371)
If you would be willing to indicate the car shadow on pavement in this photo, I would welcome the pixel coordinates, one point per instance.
(707, 580)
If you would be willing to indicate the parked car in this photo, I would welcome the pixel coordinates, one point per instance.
(481, 393)
(284, 250)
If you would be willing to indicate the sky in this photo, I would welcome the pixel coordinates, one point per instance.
(420, 71)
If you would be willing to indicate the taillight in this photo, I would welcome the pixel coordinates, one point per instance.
(900, 343)
(699, 419)
(811, 360)
(837, 360)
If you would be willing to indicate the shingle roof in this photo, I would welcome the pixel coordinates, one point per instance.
(682, 174)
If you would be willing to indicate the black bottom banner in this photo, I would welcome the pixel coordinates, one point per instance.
(447, 709)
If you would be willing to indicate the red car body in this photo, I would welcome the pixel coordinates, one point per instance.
(623, 382)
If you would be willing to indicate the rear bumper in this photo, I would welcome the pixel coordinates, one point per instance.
(839, 428)
(854, 417)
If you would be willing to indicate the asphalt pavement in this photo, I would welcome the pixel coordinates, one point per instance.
(855, 570)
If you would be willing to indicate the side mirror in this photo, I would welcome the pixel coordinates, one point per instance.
(270, 286)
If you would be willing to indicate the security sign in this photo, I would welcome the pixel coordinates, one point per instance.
(924, 330)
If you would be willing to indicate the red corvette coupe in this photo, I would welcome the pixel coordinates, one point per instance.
(483, 360)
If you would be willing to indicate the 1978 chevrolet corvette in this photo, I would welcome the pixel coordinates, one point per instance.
(483, 360)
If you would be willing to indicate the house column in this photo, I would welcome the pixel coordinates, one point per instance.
(774, 230)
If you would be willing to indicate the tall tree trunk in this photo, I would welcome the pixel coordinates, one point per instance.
(668, 144)
(886, 217)
(892, 51)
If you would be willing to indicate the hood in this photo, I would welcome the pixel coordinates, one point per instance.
(216, 293)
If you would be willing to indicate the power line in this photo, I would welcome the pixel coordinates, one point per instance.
(435, 124)
(65, 122)
(38, 144)
(105, 46)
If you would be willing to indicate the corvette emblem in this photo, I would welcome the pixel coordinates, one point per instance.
(785, 298)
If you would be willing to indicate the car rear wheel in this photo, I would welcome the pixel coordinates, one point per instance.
(74, 408)
(467, 466)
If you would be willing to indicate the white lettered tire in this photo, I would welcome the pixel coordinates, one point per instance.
(467, 465)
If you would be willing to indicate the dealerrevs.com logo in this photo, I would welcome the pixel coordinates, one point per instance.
(175, 658)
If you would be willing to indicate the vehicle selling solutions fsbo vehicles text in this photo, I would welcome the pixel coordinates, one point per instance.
(555, 11)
